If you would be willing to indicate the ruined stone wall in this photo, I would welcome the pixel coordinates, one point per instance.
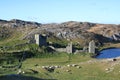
(37, 39)
(92, 47)
(60, 49)
(41, 40)
(69, 48)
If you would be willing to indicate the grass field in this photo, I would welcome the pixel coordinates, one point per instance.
(95, 70)
(89, 68)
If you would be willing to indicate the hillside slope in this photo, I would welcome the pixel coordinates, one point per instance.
(80, 32)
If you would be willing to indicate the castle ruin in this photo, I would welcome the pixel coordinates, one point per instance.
(92, 47)
(69, 48)
(40, 39)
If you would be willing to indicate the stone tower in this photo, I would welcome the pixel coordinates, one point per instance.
(69, 48)
(41, 39)
(92, 47)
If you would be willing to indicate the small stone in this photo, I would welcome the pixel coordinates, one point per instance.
(19, 71)
(107, 69)
(74, 65)
(69, 65)
(78, 67)
(57, 66)
(68, 70)
(23, 72)
(114, 59)
(43, 67)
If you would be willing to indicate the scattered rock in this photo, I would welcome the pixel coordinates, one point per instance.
(57, 66)
(78, 67)
(34, 71)
(43, 67)
(68, 70)
(74, 65)
(107, 69)
(19, 71)
(23, 72)
(114, 59)
(69, 65)
(49, 68)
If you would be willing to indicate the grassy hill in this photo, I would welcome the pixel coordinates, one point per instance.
(86, 69)
(15, 41)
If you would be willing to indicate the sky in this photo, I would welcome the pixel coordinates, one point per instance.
(57, 11)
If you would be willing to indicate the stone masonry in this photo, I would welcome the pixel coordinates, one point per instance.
(92, 47)
(40, 39)
(69, 48)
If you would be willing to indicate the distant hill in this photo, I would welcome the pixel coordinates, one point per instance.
(81, 32)
(18, 23)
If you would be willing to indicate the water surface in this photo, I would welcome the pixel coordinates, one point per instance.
(109, 53)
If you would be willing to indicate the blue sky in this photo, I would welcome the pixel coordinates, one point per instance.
(49, 11)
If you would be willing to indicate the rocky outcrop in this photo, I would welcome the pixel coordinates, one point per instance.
(76, 31)
(18, 23)
(116, 37)
(110, 31)
(72, 30)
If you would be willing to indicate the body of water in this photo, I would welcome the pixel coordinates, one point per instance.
(109, 53)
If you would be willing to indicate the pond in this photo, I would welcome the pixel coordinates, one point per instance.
(20, 77)
(109, 53)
